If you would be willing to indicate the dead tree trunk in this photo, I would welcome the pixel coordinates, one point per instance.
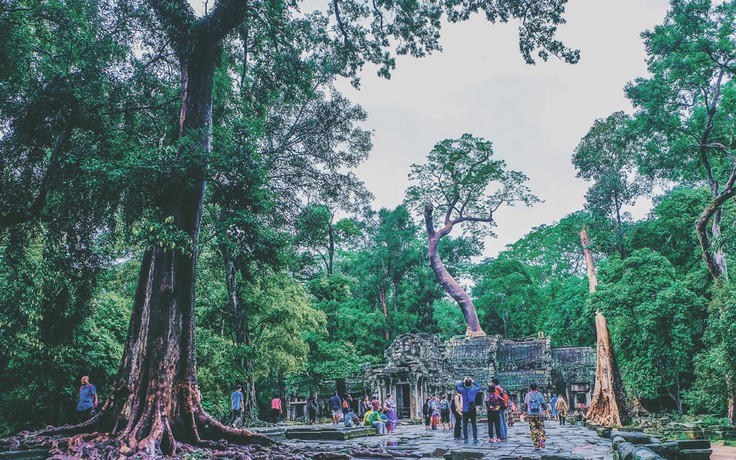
(609, 402)
(446, 280)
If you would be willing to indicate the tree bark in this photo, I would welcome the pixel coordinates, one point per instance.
(608, 396)
(446, 280)
(715, 260)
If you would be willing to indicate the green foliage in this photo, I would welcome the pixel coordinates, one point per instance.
(715, 366)
(654, 320)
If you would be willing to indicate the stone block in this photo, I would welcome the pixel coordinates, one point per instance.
(693, 444)
(328, 434)
(603, 432)
(643, 453)
(33, 454)
(626, 451)
(694, 454)
(463, 455)
(561, 457)
(668, 450)
(616, 441)
(634, 437)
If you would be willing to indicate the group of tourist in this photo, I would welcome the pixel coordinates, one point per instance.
(501, 411)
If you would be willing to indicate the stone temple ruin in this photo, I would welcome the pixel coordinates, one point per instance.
(420, 365)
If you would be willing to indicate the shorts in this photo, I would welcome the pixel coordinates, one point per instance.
(445, 416)
(337, 412)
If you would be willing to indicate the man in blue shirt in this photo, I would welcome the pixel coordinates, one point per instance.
(87, 400)
(336, 408)
(237, 405)
(469, 389)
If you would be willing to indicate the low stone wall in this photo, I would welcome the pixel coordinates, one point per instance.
(637, 445)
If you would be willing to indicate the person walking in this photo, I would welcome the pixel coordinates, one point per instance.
(561, 408)
(469, 389)
(445, 413)
(534, 402)
(336, 407)
(456, 406)
(312, 408)
(237, 406)
(276, 408)
(504, 406)
(427, 413)
(552, 408)
(511, 412)
(87, 400)
(494, 403)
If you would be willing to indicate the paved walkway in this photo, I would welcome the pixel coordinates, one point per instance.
(568, 440)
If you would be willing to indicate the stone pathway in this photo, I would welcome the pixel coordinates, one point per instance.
(569, 441)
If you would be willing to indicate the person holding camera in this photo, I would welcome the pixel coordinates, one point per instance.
(469, 389)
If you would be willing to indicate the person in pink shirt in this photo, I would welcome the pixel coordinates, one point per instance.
(276, 408)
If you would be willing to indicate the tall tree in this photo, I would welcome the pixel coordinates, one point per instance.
(608, 405)
(685, 109)
(462, 183)
(607, 156)
(155, 399)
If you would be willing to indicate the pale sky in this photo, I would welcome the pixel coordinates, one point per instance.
(534, 115)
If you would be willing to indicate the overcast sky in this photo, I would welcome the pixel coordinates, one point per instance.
(534, 115)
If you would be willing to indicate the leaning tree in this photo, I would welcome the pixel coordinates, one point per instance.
(462, 183)
(155, 402)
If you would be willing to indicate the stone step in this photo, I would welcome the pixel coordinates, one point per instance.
(694, 454)
(329, 434)
(33, 454)
(693, 444)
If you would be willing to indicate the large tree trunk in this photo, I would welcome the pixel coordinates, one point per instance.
(446, 280)
(608, 396)
(155, 399)
(714, 260)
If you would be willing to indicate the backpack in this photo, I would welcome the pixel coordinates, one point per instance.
(505, 399)
(535, 403)
(479, 398)
(453, 406)
(345, 404)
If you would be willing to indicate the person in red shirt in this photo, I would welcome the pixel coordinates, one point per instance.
(276, 408)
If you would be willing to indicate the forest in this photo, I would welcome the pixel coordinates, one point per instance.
(149, 157)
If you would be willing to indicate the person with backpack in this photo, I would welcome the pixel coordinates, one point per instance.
(534, 402)
(456, 406)
(494, 403)
(504, 406)
(470, 391)
(445, 413)
(335, 407)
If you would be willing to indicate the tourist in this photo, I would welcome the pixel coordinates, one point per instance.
(502, 413)
(552, 408)
(312, 409)
(494, 404)
(335, 407)
(511, 411)
(375, 419)
(87, 400)
(456, 406)
(427, 413)
(389, 408)
(276, 408)
(534, 402)
(367, 415)
(376, 403)
(351, 419)
(384, 419)
(435, 412)
(561, 408)
(469, 389)
(237, 406)
(347, 403)
(445, 413)
(366, 405)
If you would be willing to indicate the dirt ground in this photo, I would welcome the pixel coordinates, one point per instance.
(721, 452)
